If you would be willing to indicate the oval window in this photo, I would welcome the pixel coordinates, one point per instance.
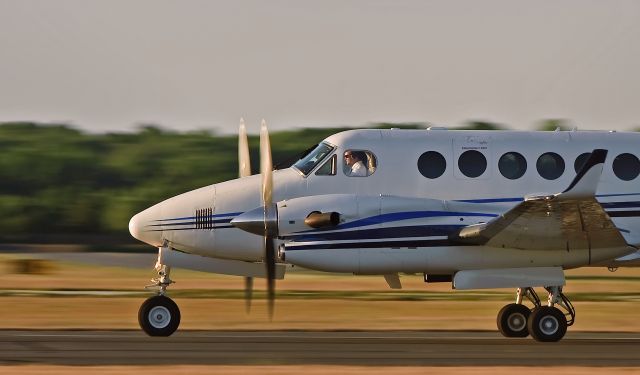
(472, 163)
(550, 165)
(580, 160)
(512, 165)
(432, 164)
(626, 166)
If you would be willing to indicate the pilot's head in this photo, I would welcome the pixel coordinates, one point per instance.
(351, 157)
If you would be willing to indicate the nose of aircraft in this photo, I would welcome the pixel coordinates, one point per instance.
(141, 228)
(134, 227)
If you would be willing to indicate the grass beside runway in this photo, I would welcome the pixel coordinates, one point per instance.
(63, 296)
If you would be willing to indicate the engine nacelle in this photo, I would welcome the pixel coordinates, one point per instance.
(320, 211)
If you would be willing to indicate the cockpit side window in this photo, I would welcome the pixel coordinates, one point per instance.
(312, 159)
(329, 168)
(359, 163)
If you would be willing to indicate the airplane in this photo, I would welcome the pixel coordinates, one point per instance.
(477, 209)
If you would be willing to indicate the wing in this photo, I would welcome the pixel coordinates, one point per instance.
(572, 219)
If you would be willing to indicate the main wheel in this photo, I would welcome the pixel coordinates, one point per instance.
(547, 324)
(159, 316)
(512, 320)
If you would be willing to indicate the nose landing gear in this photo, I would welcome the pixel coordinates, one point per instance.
(543, 323)
(159, 315)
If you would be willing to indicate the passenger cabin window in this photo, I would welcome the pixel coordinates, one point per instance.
(329, 168)
(626, 166)
(359, 163)
(512, 165)
(432, 164)
(580, 160)
(312, 159)
(550, 165)
(472, 163)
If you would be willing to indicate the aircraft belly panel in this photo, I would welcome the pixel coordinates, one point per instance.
(439, 259)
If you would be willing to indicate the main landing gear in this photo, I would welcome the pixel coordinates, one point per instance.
(544, 323)
(159, 315)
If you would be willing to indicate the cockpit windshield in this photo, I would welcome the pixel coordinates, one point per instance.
(308, 162)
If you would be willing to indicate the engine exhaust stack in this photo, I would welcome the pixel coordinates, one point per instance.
(322, 220)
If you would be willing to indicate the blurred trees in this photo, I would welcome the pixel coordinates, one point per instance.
(55, 180)
(481, 125)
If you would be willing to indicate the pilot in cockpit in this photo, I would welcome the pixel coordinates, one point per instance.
(355, 160)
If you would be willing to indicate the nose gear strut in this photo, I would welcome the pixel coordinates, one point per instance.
(159, 315)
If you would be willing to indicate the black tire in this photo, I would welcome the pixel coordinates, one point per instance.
(512, 320)
(547, 324)
(159, 316)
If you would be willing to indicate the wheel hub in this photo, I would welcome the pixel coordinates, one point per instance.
(159, 317)
(549, 325)
(517, 322)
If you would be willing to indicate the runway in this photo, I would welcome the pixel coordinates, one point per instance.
(395, 348)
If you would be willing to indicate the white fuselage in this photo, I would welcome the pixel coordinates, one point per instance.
(396, 219)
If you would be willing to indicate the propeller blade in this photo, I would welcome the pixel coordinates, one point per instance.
(270, 261)
(244, 170)
(244, 163)
(248, 292)
(266, 165)
(266, 169)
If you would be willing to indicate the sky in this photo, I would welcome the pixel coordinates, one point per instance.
(112, 65)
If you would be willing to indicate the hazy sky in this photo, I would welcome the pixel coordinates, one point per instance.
(110, 65)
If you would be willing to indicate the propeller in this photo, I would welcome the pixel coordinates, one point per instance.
(263, 220)
(270, 212)
(244, 170)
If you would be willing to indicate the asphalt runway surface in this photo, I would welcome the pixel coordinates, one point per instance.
(396, 348)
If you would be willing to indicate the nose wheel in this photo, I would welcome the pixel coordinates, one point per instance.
(159, 316)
